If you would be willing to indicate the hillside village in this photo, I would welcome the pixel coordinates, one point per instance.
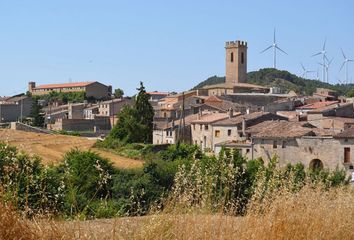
(316, 130)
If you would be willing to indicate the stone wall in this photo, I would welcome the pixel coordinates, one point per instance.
(328, 150)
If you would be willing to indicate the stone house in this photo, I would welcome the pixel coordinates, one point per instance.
(202, 130)
(171, 132)
(301, 142)
(233, 130)
(325, 94)
(92, 89)
(13, 108)
(112, 107)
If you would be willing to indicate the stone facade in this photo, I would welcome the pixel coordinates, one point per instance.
(236, 62)
(13, 108)
(329, 150)
(92, 89)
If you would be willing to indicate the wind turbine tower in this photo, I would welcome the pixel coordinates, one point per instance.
(326, 66)
(275, 48)
(323, 53)
(345, 63)
(305, 71)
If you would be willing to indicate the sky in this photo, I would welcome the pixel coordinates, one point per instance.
(168, 45)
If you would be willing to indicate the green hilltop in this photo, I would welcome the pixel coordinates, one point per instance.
(285, 80)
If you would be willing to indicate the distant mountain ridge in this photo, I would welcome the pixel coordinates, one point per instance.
(287, 81)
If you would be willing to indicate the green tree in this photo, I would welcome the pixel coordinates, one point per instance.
(145, 112)
(37, 115)
(118, 93)
(135, 123)
(128, 129)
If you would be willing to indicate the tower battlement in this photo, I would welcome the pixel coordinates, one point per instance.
(236, 43)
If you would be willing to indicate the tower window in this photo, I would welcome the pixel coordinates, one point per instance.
(232, 57)
(242, 58)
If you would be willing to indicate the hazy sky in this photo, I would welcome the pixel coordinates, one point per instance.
(169, 46)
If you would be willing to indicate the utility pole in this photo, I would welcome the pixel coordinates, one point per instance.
(21, 110)
(112, 111)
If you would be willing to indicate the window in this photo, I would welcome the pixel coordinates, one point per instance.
(283, 145)
(347, 155)
(242, 58)
(206, 127)
(217, 133)
(232, 57)
(201, 127)
(247, 150)
(241, 134)
(229, 132)
(193, 126)
(275, 144)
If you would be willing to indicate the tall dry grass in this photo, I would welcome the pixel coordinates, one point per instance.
(308, 214)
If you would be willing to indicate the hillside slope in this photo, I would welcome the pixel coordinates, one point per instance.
(287, 81)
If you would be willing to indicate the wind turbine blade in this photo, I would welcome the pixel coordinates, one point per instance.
(281, 50)
(267, 48)
(324, 44)
(274, 36)
(343, 53)
(303, 67)
(341, 67)
(329, 63)
(320, 64)
(350, 60)
(316, 54)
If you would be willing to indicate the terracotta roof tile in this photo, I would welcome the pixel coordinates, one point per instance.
(64, 85)
(285, 129)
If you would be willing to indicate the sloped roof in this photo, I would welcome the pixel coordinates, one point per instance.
(330, 107)
(347, 133)
(157, 93)
(317, 105)
(64, 85)
(165, 125)
(238, 119)
(211, 117)
(285, 129)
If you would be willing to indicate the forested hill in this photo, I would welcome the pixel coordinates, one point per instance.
(287, 81)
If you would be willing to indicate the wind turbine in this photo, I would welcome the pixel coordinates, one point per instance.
(345, 62)
(323, 53)
(326, 66)
(304, 74)
(275, 48)
(317, 76)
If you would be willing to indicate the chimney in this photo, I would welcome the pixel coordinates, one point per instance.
(247, 111)
(231, 112)
(244, 127)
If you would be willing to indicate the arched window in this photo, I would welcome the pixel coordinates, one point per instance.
(242, 58)
(232, 57)
(316, 164)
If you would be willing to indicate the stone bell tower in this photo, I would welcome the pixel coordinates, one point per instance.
(236, 62)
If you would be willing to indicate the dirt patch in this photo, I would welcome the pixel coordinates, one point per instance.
(51, 148)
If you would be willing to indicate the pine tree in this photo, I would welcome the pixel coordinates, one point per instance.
(145, 112)
(37, 115)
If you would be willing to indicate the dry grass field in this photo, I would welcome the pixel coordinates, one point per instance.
(309, 214)
(52, 147)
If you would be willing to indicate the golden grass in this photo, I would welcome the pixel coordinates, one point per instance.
(309, 214)
(52, 147)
